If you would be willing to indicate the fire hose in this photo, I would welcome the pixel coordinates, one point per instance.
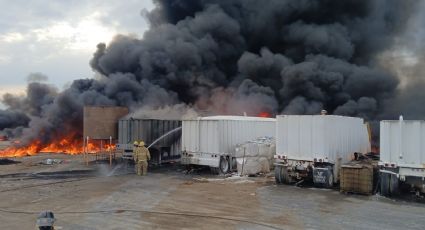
(184, 214)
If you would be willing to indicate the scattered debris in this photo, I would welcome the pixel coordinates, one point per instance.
(233, 178)
(50, 161)
(6, 161)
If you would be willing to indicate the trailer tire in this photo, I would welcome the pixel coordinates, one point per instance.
(389, 184)
(224, 165)
(330, 179)
(385, 184)
(281, 175)
(286, 179)
(394, 185)
(234, 163)
(278, 174)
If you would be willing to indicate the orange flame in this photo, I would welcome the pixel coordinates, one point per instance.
(70, 146)
(264, 114)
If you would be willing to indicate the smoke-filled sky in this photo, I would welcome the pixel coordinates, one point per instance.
(356, 57)
(57, 38)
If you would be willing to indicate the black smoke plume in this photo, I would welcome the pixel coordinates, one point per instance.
(231, 57)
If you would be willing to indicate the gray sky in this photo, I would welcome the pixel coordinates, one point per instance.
(57, 38)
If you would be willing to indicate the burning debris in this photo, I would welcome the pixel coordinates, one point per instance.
(67, 145)
(228, 57)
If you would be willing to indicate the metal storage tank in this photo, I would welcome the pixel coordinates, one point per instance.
(149, 130)
(211, 141)
(402, 152)
(306, 142)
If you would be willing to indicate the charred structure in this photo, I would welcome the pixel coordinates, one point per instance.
(163, 137)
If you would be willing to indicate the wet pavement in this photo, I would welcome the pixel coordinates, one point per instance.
(103, 197)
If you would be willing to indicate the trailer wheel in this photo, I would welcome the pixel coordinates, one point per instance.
(281, 175)
(389, 184)
(286, 179)
(224, 165)
(394, 185)
(330, 179)
(234, 163)
(277, 174)
(385, 184)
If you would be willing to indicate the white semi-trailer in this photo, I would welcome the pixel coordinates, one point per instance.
(313, 147)
(402, 151)
(211, 141)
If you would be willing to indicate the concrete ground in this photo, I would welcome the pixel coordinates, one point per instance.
(100, 197)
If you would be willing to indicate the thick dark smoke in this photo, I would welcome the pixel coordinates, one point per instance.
(12, 119)
(231, 57)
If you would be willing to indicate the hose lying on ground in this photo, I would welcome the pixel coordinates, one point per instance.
(199, 215)
(56, 182)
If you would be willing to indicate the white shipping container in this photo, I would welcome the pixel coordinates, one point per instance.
(403, 143)
(324, 137)
(205, 139)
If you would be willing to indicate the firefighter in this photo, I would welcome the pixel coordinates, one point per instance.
(135, 155)
(143, 156)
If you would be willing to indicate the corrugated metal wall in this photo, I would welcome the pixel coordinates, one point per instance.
(403, 142)
(305, 137)
(148, 130)
(221, 136)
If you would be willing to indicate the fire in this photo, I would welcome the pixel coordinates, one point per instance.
(264, 114)
(70, 146)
